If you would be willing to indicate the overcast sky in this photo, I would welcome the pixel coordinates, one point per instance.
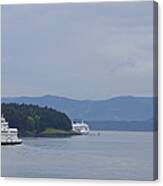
(81, 51)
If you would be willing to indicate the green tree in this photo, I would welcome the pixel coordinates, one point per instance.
(34, 119)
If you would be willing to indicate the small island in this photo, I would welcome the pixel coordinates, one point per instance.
(35, 121)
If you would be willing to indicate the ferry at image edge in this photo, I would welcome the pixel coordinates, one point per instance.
(80, 128)
(9, 136)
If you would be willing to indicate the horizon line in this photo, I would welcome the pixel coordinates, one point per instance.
(65, 97)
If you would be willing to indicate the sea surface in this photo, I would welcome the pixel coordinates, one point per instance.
(99, 155)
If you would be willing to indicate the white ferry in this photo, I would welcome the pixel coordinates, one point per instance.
(9, 136)
(80, 128)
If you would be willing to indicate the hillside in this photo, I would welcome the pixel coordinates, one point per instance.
(35, 121)
(125, 108)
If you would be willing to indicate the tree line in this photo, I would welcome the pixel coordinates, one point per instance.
(32, 120)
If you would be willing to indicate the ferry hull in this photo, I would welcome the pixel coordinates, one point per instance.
(11, 143)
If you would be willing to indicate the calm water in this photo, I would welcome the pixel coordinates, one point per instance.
(110, 155)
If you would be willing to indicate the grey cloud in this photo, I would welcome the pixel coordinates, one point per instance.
(65, 48)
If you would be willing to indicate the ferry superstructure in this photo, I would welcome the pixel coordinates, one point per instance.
(80, 128)
(9, 136)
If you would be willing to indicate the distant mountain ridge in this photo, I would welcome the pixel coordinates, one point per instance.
(126, 108)
(146, 125)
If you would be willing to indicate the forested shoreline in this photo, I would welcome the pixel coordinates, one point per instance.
(32, 120)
